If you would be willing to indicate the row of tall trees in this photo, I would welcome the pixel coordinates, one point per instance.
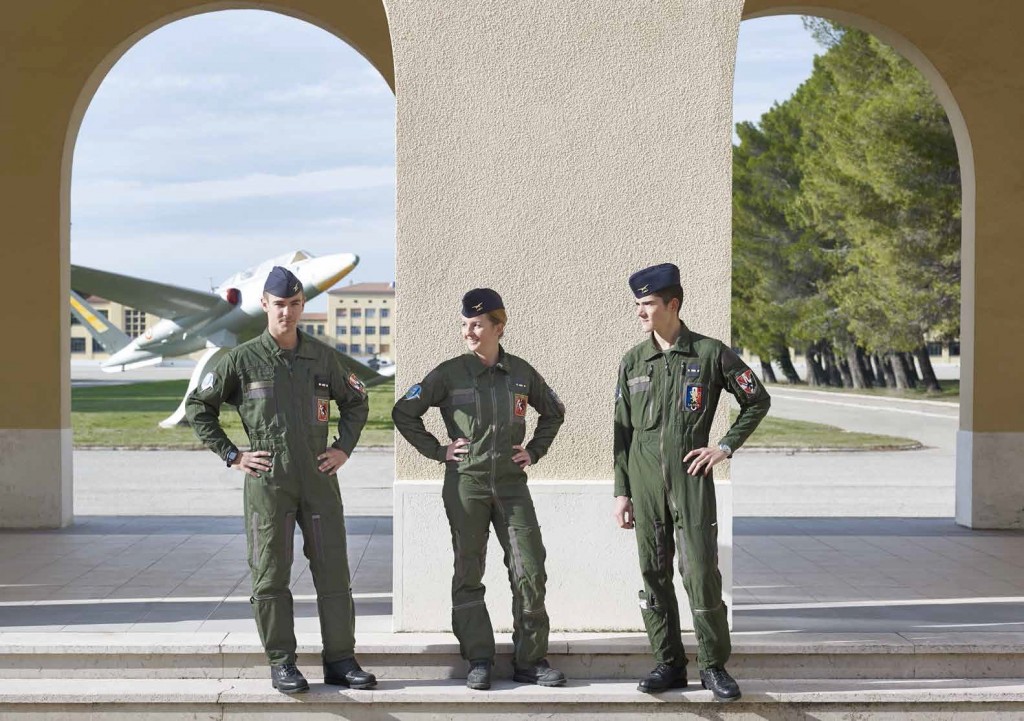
(846, 221)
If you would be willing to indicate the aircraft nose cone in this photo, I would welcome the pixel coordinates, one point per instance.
(329, 269)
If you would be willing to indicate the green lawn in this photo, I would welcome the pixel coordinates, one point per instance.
(782, 433)
(950, 391)
(126, 416)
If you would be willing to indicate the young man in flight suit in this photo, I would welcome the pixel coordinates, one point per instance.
(668, 389)
(282, 384)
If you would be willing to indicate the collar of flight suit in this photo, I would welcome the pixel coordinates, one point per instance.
(683, 344)
(479, 368)
(302, 350)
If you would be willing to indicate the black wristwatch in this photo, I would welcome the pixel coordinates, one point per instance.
(231, 457)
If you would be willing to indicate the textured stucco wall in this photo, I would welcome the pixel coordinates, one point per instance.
(548, 150)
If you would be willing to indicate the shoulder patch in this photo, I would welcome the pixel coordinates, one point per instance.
(413, 393)
(557, 401)
(209, 380)
(356, 384)
(747, 382)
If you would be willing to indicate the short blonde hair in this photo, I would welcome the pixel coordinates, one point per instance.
(498, 316)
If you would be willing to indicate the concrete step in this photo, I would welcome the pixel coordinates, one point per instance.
(824, 700)
(431, 657)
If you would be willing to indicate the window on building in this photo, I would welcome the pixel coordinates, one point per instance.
(75, 321)
(371, 312)
(341, 330)
(78, 345)
(371, 348)
(385, 312)
(356, 348)
(320, 329)
(385, 348)
(385, 330)
(356, 330)
(309, 328)
(370, 330)
(343, 347)
(105, 313)
(134, 322)
(954, 348)
(341, 313)
(357, 312)
(96, 347)
(934, 349)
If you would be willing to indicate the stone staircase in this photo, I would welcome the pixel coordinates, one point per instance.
(783, 676)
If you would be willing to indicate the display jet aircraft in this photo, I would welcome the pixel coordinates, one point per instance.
(194, 319)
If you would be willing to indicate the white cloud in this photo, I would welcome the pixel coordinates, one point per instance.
(123, 193)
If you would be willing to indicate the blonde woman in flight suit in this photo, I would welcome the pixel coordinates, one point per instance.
(483, 396)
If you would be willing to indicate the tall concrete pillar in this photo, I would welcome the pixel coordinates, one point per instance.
(548, 149)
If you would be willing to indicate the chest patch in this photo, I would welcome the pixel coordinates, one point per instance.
(693, 397)
(746, 381)
(520, 405)
(693, 370)
(640, 383)
(323, 410)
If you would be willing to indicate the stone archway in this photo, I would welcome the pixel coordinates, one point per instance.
(63, 51)
(986, 496)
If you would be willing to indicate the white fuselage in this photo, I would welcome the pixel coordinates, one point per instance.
(239, 318)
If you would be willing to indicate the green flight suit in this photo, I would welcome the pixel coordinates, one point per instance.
(665, 404)
(488, 406)
(283, 398)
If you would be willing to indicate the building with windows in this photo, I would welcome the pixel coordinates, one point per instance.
(130, 321)
(361, 317)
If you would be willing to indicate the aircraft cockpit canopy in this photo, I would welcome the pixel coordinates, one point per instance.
(288, 259)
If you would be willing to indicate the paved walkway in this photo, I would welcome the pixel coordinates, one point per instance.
(169, 573)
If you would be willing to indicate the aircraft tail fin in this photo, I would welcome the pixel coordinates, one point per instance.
(106, 334)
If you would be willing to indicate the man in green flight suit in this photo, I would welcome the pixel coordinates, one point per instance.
(282, 384)
(668, 389)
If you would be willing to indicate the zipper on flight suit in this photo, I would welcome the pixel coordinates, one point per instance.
(494, 445)
(666, 416)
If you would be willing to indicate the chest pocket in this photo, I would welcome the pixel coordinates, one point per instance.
(464, 409)
(259, 397)
(321, 410)
(519, 399)
(645, 408)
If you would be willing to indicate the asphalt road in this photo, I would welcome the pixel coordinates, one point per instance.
(901, 483)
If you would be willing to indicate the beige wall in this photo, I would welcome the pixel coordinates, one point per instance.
(548, 149)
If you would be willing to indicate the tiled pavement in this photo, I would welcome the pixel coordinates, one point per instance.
(189, 573)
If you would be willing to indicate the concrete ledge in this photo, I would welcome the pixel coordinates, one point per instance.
(586, 555)
(429, 657)
(246, 691)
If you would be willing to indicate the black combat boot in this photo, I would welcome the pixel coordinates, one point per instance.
(718, 681)
(662, 678)
(479, 678)
(347, 672)
(287, 678)
(539, 673)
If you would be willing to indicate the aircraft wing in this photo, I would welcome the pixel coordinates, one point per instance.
(166, 301)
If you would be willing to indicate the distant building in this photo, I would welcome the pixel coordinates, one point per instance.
(316, 324)
(130, 321)
(361, 317)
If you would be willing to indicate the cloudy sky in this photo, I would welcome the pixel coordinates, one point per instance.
(224, 139)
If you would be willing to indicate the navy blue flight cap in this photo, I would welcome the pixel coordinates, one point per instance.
(650, 280)
(282, 283)
(479, 301)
